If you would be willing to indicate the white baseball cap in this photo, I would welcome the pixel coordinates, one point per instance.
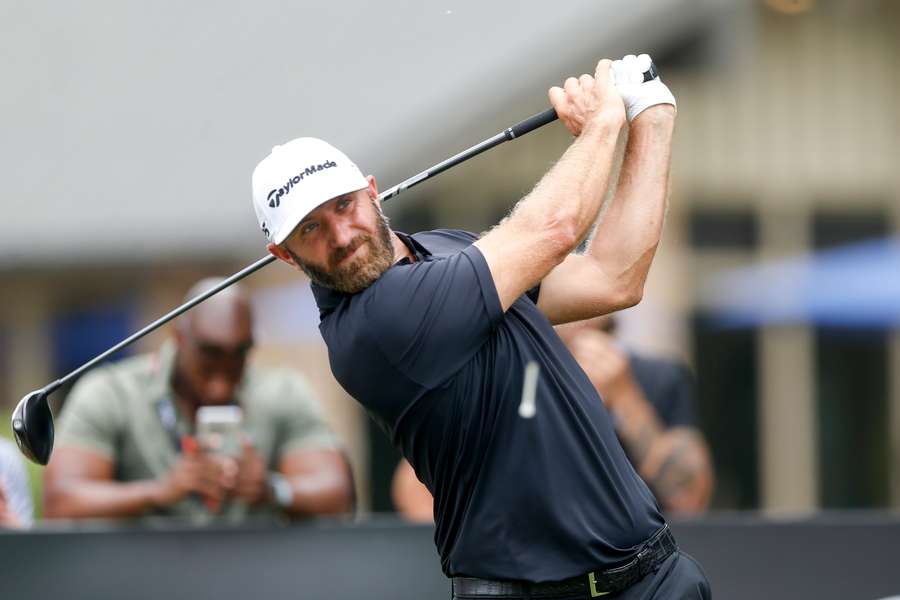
(296, 178)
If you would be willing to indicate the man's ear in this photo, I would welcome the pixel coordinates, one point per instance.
(373, 190)
(281, 254)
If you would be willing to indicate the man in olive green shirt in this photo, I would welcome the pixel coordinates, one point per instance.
(126, 445)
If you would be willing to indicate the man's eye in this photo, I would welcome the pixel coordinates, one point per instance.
(344, 203)
(308, 228)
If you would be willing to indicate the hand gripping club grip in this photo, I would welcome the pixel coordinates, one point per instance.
(549, 115)
(531, 123)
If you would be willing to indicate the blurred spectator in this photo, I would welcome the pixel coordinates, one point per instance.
(16, 510)
(652, 403)
(126, 445)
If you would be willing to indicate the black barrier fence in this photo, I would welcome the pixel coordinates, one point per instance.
(840, 556)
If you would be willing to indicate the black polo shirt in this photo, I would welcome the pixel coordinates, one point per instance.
(429, 352)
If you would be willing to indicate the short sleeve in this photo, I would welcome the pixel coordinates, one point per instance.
(301, 418)
(91, 416)
(430, 317)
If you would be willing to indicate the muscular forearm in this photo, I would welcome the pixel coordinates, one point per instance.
(321, 493)
(548, 224)
(636, 422)
(626, 238)
(571, 193)
(678, 470)
(101, 499)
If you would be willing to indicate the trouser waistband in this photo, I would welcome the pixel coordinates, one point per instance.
(594, 584)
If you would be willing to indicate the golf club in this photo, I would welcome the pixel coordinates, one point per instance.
(32, 421)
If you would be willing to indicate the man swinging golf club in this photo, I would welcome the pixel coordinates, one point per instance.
(433, 334)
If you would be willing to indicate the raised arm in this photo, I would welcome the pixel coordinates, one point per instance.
(546, 225)
(610, 275)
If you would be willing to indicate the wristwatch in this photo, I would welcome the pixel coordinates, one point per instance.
(280, 490)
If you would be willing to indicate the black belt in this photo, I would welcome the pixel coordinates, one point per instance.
(590, 585)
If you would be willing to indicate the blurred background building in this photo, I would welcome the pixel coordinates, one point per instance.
(130, 132)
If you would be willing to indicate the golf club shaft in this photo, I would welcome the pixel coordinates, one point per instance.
(511, 133)
(162, 321)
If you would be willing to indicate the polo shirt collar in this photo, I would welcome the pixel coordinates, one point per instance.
(415, 246)
(328, 299)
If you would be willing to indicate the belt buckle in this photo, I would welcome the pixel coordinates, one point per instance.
(595, 587)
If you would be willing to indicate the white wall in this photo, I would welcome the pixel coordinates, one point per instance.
(129, 129)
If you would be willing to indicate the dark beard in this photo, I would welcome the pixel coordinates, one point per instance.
(357, 275)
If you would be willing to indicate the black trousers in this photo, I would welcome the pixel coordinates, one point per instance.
(679, 577)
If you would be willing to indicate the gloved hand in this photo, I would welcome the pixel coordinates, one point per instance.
(638, 95)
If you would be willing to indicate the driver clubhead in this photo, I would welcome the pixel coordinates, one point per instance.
(32, 424)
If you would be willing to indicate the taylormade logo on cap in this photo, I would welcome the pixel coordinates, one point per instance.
(296, 178)
(275, 195)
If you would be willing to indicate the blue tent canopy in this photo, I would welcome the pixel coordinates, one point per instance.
(855, 286)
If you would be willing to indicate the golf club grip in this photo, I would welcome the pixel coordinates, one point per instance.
(532, 123)
(549, 115)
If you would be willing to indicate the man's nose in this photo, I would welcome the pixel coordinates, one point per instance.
(341, 233)
(219, 390)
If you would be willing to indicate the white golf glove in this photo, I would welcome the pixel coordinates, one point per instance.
(628, 77)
